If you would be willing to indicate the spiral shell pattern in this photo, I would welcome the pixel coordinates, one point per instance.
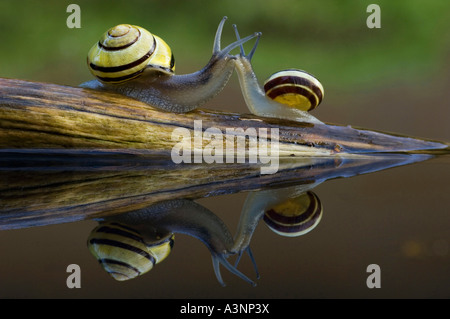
(295, 216)
(294, 88)
(125, 51)
(124, 253)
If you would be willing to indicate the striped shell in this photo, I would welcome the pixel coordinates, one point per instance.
(124, 253)
(295, 216)
(294, 88)
(125, 51)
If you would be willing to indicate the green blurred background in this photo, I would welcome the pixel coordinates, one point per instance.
(328, 37)
(409, 53)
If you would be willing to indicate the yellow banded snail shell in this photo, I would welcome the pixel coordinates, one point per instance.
(124, 253)
(294, 88)
(295, 216)
(125, 51)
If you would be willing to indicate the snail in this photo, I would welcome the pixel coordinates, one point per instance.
(137, 237)
(289, 212)
(131, 61)
(287, 94)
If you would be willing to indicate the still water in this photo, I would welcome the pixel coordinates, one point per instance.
(391, 212)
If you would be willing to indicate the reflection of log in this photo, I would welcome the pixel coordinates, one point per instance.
(40, 115)
(47, 188)
(69, 153)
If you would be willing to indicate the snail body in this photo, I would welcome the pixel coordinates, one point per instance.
(289, 93)
(141, 65)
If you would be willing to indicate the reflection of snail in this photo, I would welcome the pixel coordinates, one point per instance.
(127, 246)
(289, 212)
(131, 61)
(126, 253)
(287, 94)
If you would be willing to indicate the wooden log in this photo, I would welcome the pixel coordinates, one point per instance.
(43, 115)
(68, 153)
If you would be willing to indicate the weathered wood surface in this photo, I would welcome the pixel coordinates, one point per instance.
(69, 154)
(42, 115)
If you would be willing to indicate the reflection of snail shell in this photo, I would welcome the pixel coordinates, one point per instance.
(124, 253)
(295, 216)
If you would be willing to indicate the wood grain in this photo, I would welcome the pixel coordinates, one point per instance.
(44, 115)
(68, 154)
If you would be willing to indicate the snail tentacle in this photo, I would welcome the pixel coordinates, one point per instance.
(252, 258)
(218, 259)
